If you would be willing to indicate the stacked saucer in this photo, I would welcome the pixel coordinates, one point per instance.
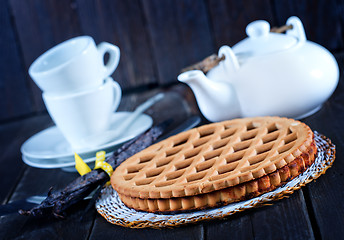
(50, 149)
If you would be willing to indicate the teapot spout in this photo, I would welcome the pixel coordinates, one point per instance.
(217, 100)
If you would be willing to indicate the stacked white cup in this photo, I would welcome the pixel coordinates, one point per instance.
(78, 91)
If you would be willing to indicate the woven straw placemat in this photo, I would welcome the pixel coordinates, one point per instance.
(114, 211)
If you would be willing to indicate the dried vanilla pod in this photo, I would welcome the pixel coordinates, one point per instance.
(57, 202)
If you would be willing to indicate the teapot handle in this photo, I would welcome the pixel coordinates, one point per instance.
(231, 61)
(297, 31)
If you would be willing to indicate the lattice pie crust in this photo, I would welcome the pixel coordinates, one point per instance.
(215, 164)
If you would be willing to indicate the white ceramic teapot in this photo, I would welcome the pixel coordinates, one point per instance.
(266, 74)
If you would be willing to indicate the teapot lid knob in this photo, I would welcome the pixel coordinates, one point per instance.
(261, 41)
(259, 28)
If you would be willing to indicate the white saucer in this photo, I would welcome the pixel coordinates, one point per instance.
(49, 149)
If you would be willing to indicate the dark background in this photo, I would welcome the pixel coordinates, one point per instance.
(156, 37)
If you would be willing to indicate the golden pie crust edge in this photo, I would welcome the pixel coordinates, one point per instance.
(228, 195)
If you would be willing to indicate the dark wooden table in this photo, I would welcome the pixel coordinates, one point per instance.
(314, 212)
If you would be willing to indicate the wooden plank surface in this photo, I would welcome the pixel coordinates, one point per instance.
(277, 221)
(236, 227)
(230, 18)
(285, 219)
(180, 35)
(28, 181)
(327, 193)
(15, 98)
(37, 182)
(322, 19)
(122, 23)
(40, 26)
(12, 136)
(102, 230)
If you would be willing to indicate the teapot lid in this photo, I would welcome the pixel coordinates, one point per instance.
(261, 41)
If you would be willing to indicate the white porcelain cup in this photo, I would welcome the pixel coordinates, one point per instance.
(74, 65)
(83, 114)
